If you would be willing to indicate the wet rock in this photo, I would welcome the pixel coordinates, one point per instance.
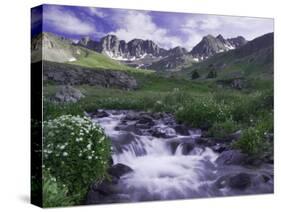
(187, 148)
(205, 141)
(254, 161)
(108, 190)
(101, 114)
(187, 145)
(94, 197)
(163, 132)
(157, 115)
(222, 182)
(240, 181)
(145, 120)
(131, 116)
(119, 170)
(231, 157)
(182, 129)
(122, 139)
(220, 147)
(130, 128)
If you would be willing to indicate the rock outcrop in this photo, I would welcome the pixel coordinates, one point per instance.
(67, 74)
(67, 93)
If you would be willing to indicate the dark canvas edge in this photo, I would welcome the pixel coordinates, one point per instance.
(36, 124)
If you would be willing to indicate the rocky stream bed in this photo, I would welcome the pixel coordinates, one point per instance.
(156, 158)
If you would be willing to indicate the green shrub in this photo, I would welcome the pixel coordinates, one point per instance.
(55, 194)
(223, 129)
(203, 112)
(247, 109)
(251, 142)
(76, 152)
(53, 110)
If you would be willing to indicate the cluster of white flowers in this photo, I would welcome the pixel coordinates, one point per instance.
(60, 132)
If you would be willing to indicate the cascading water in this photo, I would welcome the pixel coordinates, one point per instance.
(162, 171)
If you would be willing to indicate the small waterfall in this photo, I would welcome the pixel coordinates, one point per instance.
(157, 171)
(163, 168)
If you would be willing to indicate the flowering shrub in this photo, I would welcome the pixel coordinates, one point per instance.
(223, 129)
(251, 142)
(203, 112)
(76, 152)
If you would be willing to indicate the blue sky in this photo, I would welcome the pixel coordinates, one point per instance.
(167, 29)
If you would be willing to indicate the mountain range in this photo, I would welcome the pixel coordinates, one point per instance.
(139, 53)
(147, 54)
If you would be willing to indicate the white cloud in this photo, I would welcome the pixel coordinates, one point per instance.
(97, 12)
(66, 22)
(197, 26)
(136, 24)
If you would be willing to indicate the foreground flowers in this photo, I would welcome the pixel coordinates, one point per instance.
(75, 152)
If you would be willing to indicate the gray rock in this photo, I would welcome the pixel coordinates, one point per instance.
(182, 129)
(68, 94)
(120, 48)
(101, 114)
(163, 132)
(63, 74)
(130, 128)
(240, 181)
(231, 157)
(119, 170)
(187, 144)
(122, 139)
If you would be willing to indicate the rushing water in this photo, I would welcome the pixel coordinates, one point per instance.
(160, 173)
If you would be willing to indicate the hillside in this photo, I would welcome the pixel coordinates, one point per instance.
(62, 50)
(254, 60)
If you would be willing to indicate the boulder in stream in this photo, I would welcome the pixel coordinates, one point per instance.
(119, 170)
(232, 157)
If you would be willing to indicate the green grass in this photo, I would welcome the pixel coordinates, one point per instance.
(96, 60)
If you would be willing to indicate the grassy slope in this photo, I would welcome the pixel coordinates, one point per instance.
(254, 60)
(96, 60)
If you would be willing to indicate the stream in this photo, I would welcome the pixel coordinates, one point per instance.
(165, 161)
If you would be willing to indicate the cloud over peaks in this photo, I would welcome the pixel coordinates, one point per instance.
(66, 22)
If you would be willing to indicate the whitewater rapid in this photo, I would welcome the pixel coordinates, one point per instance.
(159, 171)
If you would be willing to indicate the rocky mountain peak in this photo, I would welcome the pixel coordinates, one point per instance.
(210, 45)
(178, 51)
(237, 41)
(111, 46)
(221, 38)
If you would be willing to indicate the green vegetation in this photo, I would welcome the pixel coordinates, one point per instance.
(97, 60)
(55, 194)
(251, 141)
(224, 129)
(76, 153)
